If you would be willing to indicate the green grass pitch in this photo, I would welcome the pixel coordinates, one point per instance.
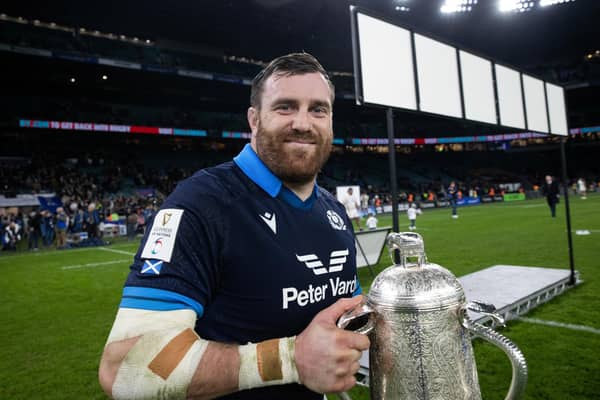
(57, 307)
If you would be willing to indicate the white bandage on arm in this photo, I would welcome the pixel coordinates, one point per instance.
(268, 363)
(163, 361)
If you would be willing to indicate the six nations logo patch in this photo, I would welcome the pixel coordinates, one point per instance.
(335, 220)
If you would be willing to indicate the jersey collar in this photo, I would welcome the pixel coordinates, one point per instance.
(259, 173)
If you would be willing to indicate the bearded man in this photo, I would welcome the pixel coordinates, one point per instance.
(238, 284)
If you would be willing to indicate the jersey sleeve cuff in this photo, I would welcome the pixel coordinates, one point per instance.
(158, 300)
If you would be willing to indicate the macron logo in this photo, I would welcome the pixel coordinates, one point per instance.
(270, 220)
(337, 259)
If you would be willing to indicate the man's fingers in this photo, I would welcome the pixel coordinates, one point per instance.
(336, 352)
(355, 367)
(353, 340)
(335, 311)
(358, 341)
(357, 356)
(349, 383)
(348, 356)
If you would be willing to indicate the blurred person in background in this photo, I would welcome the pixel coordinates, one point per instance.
(92, 220)
(352, 206)
(34, 230)
(371, 221)
(452, 194)
(149, 211)
(132, 219)
(141, 220)
(62, 223)
(47, 227)
(581, 188)
(412, 213)
(551, 191)
(10, 236)
(364, 202)
(78, 221)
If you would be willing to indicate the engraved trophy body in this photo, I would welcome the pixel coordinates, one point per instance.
(420, 332)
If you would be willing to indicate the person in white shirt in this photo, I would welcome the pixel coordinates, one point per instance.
(581, 188)
(372, 222)
(412, 213)
(352, 206)
(364, 202)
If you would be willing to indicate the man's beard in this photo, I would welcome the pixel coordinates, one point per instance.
(297, 165)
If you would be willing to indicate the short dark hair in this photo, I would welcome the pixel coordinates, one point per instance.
(288, 65)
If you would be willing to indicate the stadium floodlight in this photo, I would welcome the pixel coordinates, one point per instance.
(104, 77)
(453, 6)
(515, 5)
(402, 8)
(544, 3)
(72, 80)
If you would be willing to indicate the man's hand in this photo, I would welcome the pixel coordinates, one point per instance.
(327, 356)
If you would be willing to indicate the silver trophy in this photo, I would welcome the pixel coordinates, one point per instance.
(421, 334)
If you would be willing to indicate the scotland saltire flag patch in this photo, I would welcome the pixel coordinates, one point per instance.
(152, 267)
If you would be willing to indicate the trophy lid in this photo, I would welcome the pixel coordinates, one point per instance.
(414, 286)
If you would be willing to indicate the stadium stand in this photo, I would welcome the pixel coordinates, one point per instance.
(139, 173)
(134, 173)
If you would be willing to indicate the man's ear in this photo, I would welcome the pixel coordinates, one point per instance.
(252, 116)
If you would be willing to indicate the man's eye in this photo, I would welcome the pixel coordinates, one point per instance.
(320, 110)
(283, 107)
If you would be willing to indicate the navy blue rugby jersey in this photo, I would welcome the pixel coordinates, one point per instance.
(253, 260)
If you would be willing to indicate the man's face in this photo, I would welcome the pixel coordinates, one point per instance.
(293, 131)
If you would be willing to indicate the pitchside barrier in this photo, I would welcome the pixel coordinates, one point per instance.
(465, 201)
(369, 245)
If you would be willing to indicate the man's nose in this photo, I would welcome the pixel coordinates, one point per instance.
(301, 121)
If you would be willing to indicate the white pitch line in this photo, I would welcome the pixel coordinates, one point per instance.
(116, 251)
(54, 252)
(90, 265)
(560, 325)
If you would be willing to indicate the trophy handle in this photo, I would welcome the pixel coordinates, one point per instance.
(357, 313)
(517, 360)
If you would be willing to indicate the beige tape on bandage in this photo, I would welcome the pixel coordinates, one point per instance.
(171, 355)
(267, 363)
(163, 361)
